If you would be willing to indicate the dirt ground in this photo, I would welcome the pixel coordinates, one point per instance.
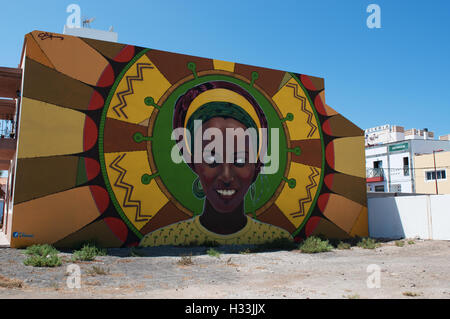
(419, 270)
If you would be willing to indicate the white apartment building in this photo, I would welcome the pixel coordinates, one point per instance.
(390, 154)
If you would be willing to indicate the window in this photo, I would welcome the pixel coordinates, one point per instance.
(431, 175)
(378, 164)
(405, 166)
(396, 188)
(379, 188)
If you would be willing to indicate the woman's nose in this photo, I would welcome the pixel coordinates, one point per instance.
(226, 175)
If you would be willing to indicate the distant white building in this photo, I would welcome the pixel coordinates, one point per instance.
(390, 154)
(393, 133)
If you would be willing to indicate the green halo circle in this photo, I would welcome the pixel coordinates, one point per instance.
(174, 175)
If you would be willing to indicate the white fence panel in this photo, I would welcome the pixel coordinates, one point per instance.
(423, 216)
(440, 216)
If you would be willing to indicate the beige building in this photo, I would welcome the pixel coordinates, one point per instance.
(432, 178)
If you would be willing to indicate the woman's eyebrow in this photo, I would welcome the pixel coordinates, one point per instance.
(215, 154)
(243, 155)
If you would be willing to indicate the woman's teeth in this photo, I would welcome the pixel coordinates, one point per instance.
(226, 192)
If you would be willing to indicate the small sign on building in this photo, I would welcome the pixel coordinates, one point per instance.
(399, 147)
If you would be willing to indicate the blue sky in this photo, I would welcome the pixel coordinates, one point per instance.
(398, 74)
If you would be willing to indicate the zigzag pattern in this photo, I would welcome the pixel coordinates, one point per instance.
(302, 202)
(129, 90)
(303, 102)
(127, 201)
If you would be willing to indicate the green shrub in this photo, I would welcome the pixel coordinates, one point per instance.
(411, 242)
(41, 250)
(245, 251)
(367, 243)
(42, 256)
(6, 282)
(411, 294)
(399, 243)
(353, 241)
(343, 245)
(312, 245)
(185, 260)
(88, 253)
(213, 253)
(98, 271)
(43, 261)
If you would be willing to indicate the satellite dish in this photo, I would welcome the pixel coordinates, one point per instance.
(87, 22)
(111, 29)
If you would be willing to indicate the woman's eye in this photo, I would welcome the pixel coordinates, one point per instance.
(211, 161)
(240, 161)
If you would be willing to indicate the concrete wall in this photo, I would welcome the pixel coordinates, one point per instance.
(423, 216)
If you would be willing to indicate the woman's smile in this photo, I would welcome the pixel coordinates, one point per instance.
(226, 193)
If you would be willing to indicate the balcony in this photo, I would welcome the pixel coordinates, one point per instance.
(7, 109)
(10, 80)
(374, 175)
(10, 83)
(7, 132)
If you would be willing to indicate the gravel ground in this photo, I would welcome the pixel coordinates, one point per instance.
(419, 270)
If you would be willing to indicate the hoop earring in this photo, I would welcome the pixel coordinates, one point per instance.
(197, 189)
(252, 191)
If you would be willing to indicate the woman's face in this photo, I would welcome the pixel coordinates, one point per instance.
(226, 183)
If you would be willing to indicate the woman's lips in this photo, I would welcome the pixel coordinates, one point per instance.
(226, 192)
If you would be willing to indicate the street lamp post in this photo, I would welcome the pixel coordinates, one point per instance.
(435, 173)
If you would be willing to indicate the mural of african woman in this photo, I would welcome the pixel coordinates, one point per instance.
(97, 123)
(224, 175)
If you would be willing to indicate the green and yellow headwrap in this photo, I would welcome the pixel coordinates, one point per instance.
(218, 99)
(219, 109)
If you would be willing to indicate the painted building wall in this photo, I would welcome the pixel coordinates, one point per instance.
(426, 163)
(95, 153)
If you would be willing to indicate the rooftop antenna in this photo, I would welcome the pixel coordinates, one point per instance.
(87, 22)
